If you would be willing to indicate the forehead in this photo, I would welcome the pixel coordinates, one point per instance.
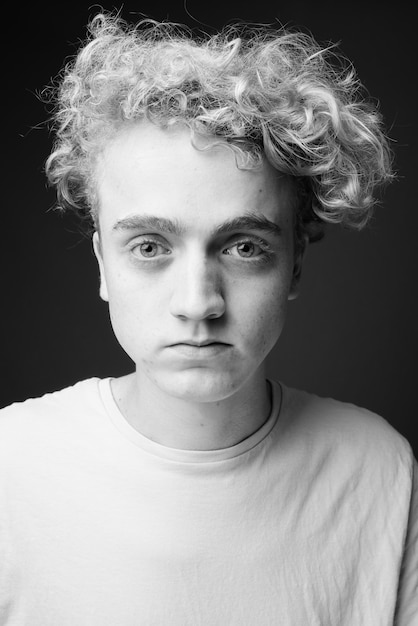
(147, 170)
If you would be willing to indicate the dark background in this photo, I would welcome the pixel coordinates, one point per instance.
(352, 333)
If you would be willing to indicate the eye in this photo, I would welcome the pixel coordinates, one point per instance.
(149, 249)
(245, 249)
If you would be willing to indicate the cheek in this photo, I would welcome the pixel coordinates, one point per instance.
(262, 313)
(133, 315)
(131, 299)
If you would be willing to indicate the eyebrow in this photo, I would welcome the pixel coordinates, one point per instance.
(149, 222)
(249, 221)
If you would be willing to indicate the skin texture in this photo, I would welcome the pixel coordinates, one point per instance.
(173, 276)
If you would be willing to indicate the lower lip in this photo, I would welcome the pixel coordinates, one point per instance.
(200, 352)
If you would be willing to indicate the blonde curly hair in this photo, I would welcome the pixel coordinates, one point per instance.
(266, 92)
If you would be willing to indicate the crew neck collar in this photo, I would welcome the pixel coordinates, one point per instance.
(188, 456)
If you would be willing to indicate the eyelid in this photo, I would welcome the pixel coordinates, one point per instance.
(148, 237)
(243, 238)
(246, 235)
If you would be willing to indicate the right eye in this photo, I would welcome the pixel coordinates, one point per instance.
(149, 249)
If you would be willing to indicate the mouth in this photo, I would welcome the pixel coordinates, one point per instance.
(199, 344)
(200, 349)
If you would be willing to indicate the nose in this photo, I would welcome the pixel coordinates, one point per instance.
(197, 291)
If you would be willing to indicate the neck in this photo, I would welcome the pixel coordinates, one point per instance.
(177, 423)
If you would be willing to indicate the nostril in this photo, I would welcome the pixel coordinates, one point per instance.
(197, 306)
(216, 315)
(198, 311)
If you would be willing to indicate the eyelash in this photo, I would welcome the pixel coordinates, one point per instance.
(266, 251)
(263, 257)
(148, 240)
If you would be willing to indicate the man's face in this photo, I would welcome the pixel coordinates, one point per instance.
(196, 260)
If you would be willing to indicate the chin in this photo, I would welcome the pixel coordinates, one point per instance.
(199, 385)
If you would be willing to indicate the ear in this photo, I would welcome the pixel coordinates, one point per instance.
(297, 268)
(97, 247)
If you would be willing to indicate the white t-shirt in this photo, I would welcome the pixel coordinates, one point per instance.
(305, 523)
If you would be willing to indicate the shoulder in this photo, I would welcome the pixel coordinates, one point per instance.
(52, 399)
(34, 417)
(348, 433)
(339, 420)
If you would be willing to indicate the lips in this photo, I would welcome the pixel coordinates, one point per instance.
(199, 343)
(199, 349)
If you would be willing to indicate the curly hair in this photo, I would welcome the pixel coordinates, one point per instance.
(268, 93)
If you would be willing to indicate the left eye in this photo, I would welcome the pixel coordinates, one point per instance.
(149, 249)
(244, 249)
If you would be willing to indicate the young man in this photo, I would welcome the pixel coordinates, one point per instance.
(195, 491)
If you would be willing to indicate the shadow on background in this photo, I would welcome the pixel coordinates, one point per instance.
(352, 333)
